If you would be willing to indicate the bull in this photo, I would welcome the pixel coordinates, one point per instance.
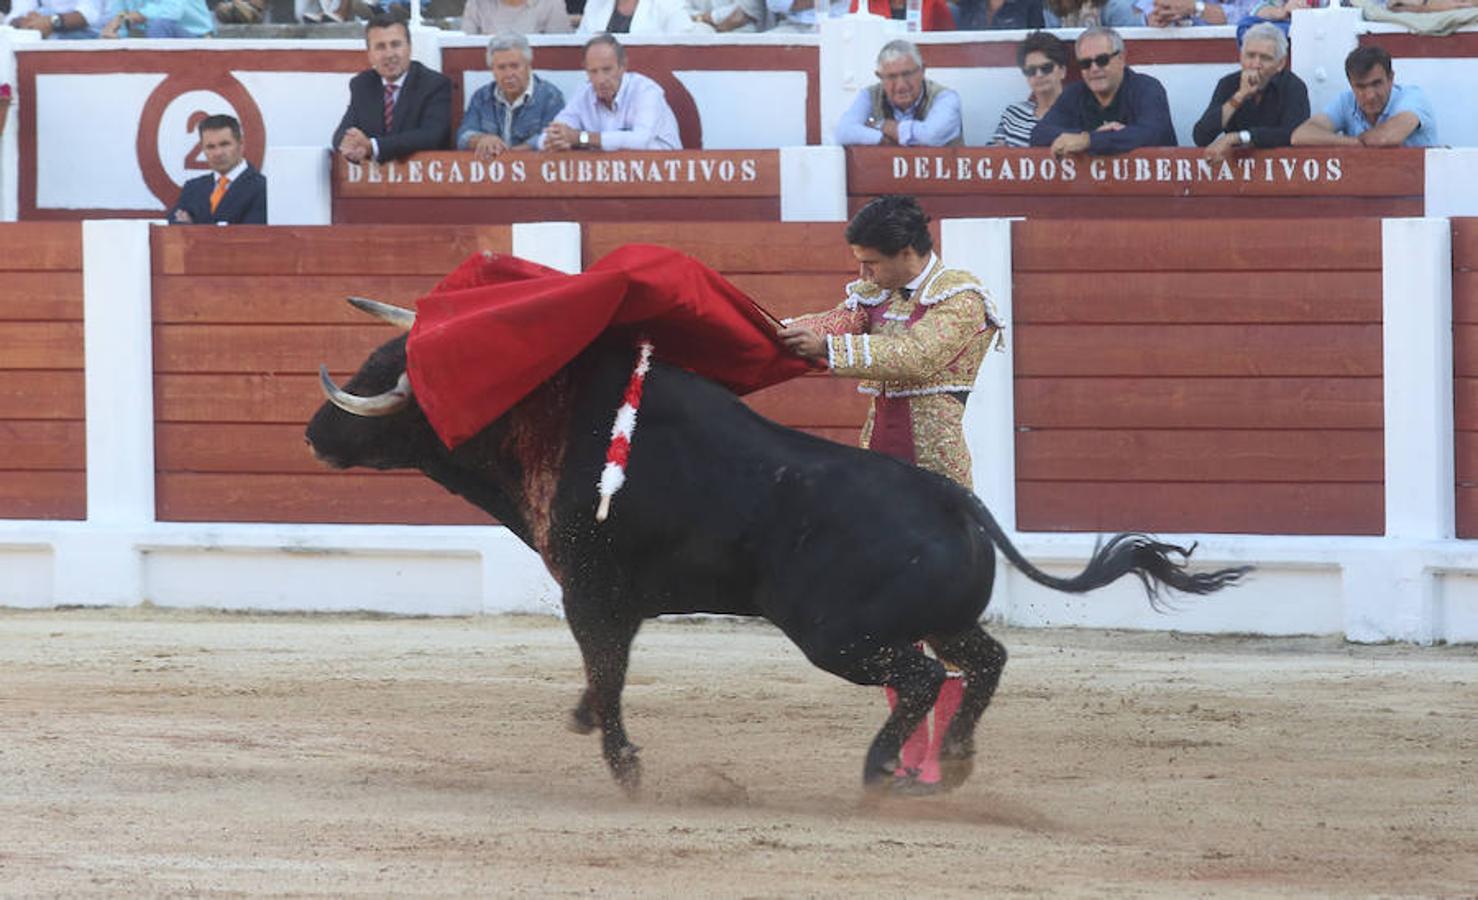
(858, 558)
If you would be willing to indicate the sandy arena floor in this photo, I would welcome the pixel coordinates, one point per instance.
(152, 752)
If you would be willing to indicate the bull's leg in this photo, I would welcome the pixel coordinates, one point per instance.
(982, 658)
(912, 675)
(605, 645)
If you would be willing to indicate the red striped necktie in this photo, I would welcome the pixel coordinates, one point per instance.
(389, 105)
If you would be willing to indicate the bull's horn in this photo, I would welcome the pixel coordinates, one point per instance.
(383, 405)
(395, 315)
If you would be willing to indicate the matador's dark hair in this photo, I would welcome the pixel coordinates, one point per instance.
(891, 223)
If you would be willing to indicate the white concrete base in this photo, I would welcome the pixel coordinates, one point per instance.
(299, 188)
(813, 184)
(403, 570)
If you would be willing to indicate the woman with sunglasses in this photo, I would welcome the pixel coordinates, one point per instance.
(1043, 60)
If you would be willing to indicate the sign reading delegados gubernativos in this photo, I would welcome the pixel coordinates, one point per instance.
(963, 166)
(586, 169)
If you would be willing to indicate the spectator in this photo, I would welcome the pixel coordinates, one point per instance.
(1259, 105)
(727, 15)
(1043, 60)
(1113, 109)
(516, 17)
(1083, 13)
(904, 108)
(514, 110)
(615, 109)
(242, 12)
(58, 19)
(982, 15)
(800, 15)
(396, 107)
(1165, 13)
(158, 19)
(636, 17)
(1374, 112)
(235, 195)
(935, 14)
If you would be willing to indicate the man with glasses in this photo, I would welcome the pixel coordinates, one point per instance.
(904, 109)
(1257, 106)
(1112, 110)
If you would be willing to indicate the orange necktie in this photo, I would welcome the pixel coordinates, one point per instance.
(218, 193)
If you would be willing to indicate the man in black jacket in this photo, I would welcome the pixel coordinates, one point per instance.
(1258, 106)
(234, 193)
(397, 106)
(1114, 109)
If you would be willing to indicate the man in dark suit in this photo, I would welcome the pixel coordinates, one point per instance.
(234, 193)
(397, 106)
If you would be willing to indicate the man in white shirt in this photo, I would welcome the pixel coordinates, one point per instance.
(61, 19)
(614, 109)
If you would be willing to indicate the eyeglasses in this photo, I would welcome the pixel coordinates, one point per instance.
(897, 76)
(1046, 68)
(1101, 60)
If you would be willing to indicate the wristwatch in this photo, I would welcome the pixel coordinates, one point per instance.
(584, 140)
(57, 25)
(1244, 137)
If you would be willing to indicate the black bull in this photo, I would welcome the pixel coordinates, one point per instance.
(855, 556)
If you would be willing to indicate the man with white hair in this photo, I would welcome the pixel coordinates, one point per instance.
(904, 108)
(1258, 106)
(512, 111)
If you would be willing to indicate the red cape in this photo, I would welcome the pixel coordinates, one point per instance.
(498, 326)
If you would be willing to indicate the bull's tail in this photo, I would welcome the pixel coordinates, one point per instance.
(1150, 560)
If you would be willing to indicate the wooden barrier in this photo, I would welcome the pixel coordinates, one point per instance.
(442, 188)
(44, 471)
(1151, 183)
(789, 268)
(242, 318)
(1187, 376)
(1465, 372)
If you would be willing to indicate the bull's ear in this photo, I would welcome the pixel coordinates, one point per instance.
(399, 317)
(384, 404)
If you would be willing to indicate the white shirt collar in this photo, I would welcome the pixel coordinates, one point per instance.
(399, 82)
(523, 98)
(923, 276)
(235, 173)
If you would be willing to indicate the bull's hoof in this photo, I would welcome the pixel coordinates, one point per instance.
(911, 786)
(582, 720)
(954, 772)
(626, 768)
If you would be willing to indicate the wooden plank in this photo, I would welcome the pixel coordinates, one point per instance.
(286, 349)
(1465, 403)
(1199, 455)
(1256, 403)
(1199, 350)
(569, 207)
(234, 447)
(283, 399)
(1467, 512)
(40, 247)
(44, 445)
(794, 294)
(813, 401)
(1225, 507)
(41, 395)
(1465, 350)
(1205, 297)
(41, 345)
(327, 250)
(1132, 245)
(1239, 209)
(29, 494)
(391, 498)
(1465, 457)
(307, 299)
(1465, 244)
(41, 296)
(1465, 297)
(778, 247)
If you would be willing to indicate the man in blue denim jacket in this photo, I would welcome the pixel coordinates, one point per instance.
(512, 111)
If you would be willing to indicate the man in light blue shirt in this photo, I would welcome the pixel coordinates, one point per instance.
(614, 109)
(1374, 112)
(904, 108)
